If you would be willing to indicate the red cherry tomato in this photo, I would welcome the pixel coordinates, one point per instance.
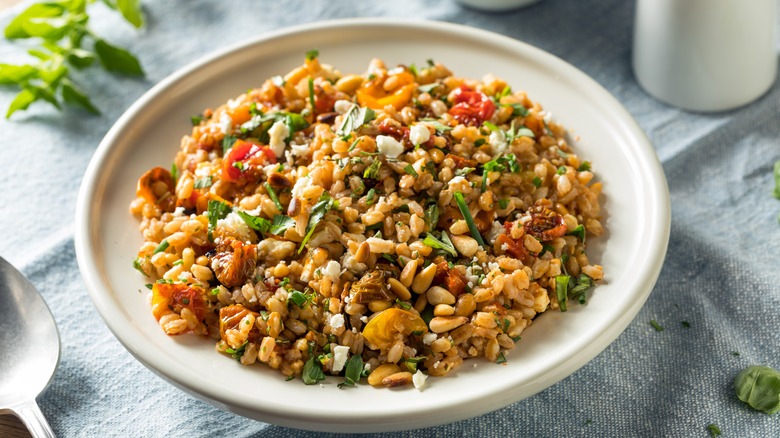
(471, 107)
(243, 161)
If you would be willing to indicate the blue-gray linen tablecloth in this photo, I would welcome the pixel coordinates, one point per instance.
(721, 274)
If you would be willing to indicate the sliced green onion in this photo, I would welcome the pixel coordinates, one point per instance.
(464, 210)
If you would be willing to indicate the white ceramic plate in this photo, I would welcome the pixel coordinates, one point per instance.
(636, 209)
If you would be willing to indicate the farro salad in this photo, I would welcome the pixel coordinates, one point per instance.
(388, 224)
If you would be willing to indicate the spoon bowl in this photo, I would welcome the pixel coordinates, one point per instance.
(29, 349)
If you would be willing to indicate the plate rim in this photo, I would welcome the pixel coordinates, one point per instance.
(86, 239)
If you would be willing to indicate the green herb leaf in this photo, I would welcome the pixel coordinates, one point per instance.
(21, 102)
(311, 93)
(776, 192)
(353, 370)
(324, 205)
(411, 363)
(578, 231)
(227, 143)
(203, 183)
(16, 29)
(216, 210)
(404, 305)
(196, 120)
(272, 195)
(518, 110)
(759, 387)
(714, 430)
(312, 371)
(370, 196)
(161, 247)
(445, 243)
(431, 216)
(174, 173)
(117, 59)
(131, 10)
(464, 210)
(427, 88)
(298, 298)
(138, 267)
(410, 170)
(537, 182)
(311, 54)
(238, 352)
(372, 171)
(656, 326)
(584, 167)
(354, 119)
(503, 203)
(501, 359)
(562, 290)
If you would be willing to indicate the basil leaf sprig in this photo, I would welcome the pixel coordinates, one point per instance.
(759, 387)
(63, 30)
(324, 205)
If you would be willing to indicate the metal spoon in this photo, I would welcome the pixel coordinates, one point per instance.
(29, 349)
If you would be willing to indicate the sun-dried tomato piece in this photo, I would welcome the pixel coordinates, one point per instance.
(461, 162)
(471, 107)
(545, 224)
(230, 318)
(456, 282)
(235, 262)
(156, 186)
(514, 248)
(167, 298)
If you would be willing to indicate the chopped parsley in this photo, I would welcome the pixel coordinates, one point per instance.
(238, 352)
(372, 171)
(161, 247)
(311, 93)
(174, 173)
(277, 227)
(578, 231)
(410, 170)
(561, 170)
(427, 88)
(196, 120)
(501, 359)
(298, 298)
(311, 54)
(655, 325)
(537, 182)
(503, 203)
(585, 166)
(562, 290)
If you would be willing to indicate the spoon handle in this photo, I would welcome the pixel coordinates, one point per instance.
(33, 418)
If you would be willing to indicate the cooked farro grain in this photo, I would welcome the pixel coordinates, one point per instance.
(395, 222)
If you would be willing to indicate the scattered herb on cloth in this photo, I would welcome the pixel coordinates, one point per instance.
(63, 29)
(759, 387)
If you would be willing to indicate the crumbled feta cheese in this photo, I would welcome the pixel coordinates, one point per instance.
(233, 224)
(342, 106)
(300, 185)
(428, 338)
(340, 354)
(504, 247)
(456, 180)
(348, 262)
(546, 116)
(367, 366)
(389, 146)
(179, 211)
(419, 379)
(364, 319)
(395, 71)
(337, 321)
(225, 124)
(494, 231)
(278, 134)
(492, 265)
(419, 134)
(498, 141)
(299, 150)
(332, 269)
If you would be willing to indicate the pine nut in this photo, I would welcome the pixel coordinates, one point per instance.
(424, 279)
(398, 379)
(465, 245)
(443, 310)
(441, 324)
(382, 371)
(399, 289)
(438, 295)
(361, 256)
(407, 274)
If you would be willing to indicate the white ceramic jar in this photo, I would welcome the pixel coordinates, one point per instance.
(705, 55)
